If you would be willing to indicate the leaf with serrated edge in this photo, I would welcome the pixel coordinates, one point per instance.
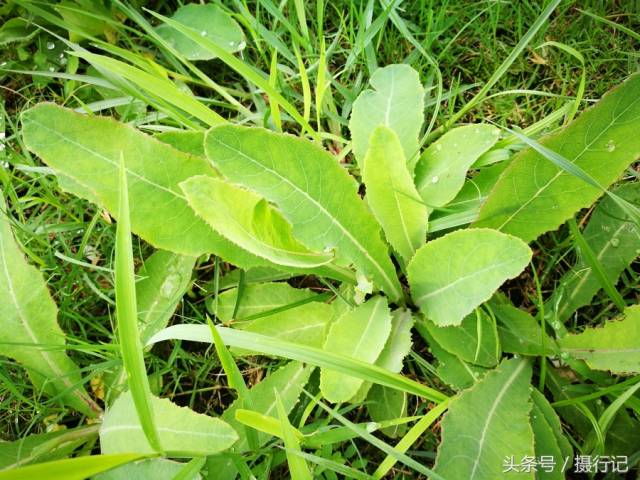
(249, 221)
(614, 346)
(487, 424)
(454, 274)
(442, 168)
(397, 347)
(384, 403)
(88, 149)
(182, 432)
(549, 440)
(287, 381)
(451, 369)
(615, 241)
(520, 333)
(211, 22)
(603, 141)
(30, 333)
(360, 333)
(397, 103)
(391, 194)
(314, 193)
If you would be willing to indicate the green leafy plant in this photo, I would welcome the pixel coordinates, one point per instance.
(349, 272)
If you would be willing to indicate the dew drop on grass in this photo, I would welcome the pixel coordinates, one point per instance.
(51, 45)
(556, 325)
(232, 43)
(52, 69)
(435, 179)
(203, 33)
(615, 242)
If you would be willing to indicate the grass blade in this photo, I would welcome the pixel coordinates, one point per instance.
(127, 316)
(297, 466)
(313, 356)
(234, 379)
(70, 468)
(411, 437)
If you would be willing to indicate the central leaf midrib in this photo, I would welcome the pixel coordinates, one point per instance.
(333, 220)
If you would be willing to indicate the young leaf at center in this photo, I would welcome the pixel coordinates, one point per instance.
(392, 195)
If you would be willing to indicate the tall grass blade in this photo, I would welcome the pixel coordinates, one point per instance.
(127, 317)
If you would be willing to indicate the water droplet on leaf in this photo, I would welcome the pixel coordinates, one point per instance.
(435, 179)
(51, 45)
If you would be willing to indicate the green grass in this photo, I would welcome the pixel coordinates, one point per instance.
(73, 242)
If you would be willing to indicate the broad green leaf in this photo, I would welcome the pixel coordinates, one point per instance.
(392, 195)
(521, 333)
(302, 353)
(43, 447)
(399, 343)
(79, 468)
(17, 30)
(187, 141)
(397, 102)
(360, 334)
(256, 299)
(451, 369)
(283, 312)
(549, 440)
(315, 194)
(442, 168)
(87, 150)
(251, 276)
(487, 424)
(472, 195)
(454, 274)
(165, 277)
(287, 382)
(615, 241)
(211, 22)
(397, 346)
(602, 142)
(384, 403)
(149, 468)
(247, 220)
(474, 340)
(614, 346)
(29, 331)
(182, 432)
